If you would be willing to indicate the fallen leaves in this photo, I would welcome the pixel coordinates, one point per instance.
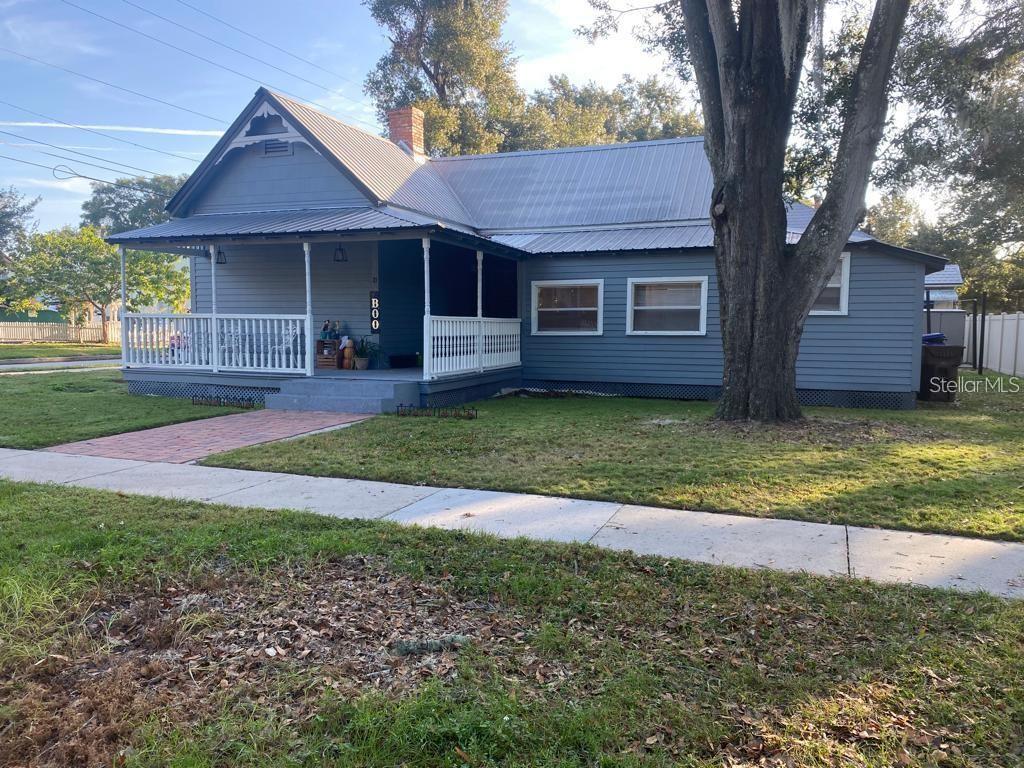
(350, 626)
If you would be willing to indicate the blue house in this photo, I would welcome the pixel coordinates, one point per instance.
(583, 269)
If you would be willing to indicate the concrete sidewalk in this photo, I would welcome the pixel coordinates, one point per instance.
(8, 368)
(829, 550)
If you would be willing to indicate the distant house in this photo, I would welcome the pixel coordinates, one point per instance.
(941, 287)
(585, 269)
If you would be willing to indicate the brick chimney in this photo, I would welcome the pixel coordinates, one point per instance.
(405, 128)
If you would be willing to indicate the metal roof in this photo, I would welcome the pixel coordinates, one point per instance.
(647, 195)
(647, 181)
(382, 166)
(325, 220)
(623, 239)
(944, 294)
(948, 276)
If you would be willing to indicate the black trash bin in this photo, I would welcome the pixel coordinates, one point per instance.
(939, 364)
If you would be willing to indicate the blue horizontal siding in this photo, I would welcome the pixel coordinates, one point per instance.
(271, 279)
(248, 181)
(875, 347)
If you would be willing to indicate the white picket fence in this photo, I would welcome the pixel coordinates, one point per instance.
(1004, 343)
(58, 332)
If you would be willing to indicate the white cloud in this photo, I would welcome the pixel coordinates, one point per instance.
(52, 39)
(543, 33)
(77, 187)
(113, 128)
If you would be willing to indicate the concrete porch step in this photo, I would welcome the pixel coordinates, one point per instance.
(331, 404)
(332, 387)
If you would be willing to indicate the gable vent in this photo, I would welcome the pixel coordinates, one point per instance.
(273, 147)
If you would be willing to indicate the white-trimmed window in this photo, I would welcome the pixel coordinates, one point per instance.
(834, 297)
(568, 307)
(667, 306)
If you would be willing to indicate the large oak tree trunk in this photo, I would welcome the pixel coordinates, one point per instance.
(748, 58)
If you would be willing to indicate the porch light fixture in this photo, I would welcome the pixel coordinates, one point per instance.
(340, 255)
(221, 257)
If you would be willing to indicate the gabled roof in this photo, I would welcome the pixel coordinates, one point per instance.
(641, 196)
(381, 170)
(947, 277)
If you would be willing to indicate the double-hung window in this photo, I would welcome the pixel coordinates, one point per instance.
(667, 306)
(834, 297)
(568, 307)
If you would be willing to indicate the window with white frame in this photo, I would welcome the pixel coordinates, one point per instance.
(667, 306)
(568, 307)
(834, 296)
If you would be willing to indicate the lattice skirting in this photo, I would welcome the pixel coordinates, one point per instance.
(189, 390)
(830, 397)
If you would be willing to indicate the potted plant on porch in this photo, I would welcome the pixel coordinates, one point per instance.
(365, 349)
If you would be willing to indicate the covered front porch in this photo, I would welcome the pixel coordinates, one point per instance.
(434, 309)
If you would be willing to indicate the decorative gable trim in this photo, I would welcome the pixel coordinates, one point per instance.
(265, 125)
(262, 105)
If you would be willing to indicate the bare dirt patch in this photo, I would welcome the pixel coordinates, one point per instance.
(812, 430)
(180, 650)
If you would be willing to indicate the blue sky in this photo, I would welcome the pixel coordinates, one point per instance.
(337, 35)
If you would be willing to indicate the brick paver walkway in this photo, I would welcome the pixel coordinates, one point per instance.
(192, 440)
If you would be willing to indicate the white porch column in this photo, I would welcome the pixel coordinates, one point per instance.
(215, 330)
(125, 358)
(480, 310)
(310, 343)
(428, 341)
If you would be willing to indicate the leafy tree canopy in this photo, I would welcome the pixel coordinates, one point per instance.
(447, 57)
(15, 227)
(77, 272)
(987, 267)
(131, 204)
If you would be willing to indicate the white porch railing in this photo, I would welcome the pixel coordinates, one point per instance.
(252, 343)
(265, 343)
(471, 344)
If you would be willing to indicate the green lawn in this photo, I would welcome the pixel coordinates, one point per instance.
(946, 468)
(145, 632)
(40, 409)
(26, 351)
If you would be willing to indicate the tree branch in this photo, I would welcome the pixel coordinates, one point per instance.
(843, 207)
(709, 81)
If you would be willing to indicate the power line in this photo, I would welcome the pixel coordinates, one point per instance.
(98, 133)
(74, 175)
(187, 52)
(111, 85)
(264, 41)
(83, 162)
(240, 52)
(76, 152)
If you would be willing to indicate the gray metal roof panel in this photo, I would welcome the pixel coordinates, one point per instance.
(325, 220)
(382, 166)
(603, 240)
(948, 276)
(648, 181)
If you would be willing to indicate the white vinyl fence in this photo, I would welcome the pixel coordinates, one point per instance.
(1004, 343)
(75, 334)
